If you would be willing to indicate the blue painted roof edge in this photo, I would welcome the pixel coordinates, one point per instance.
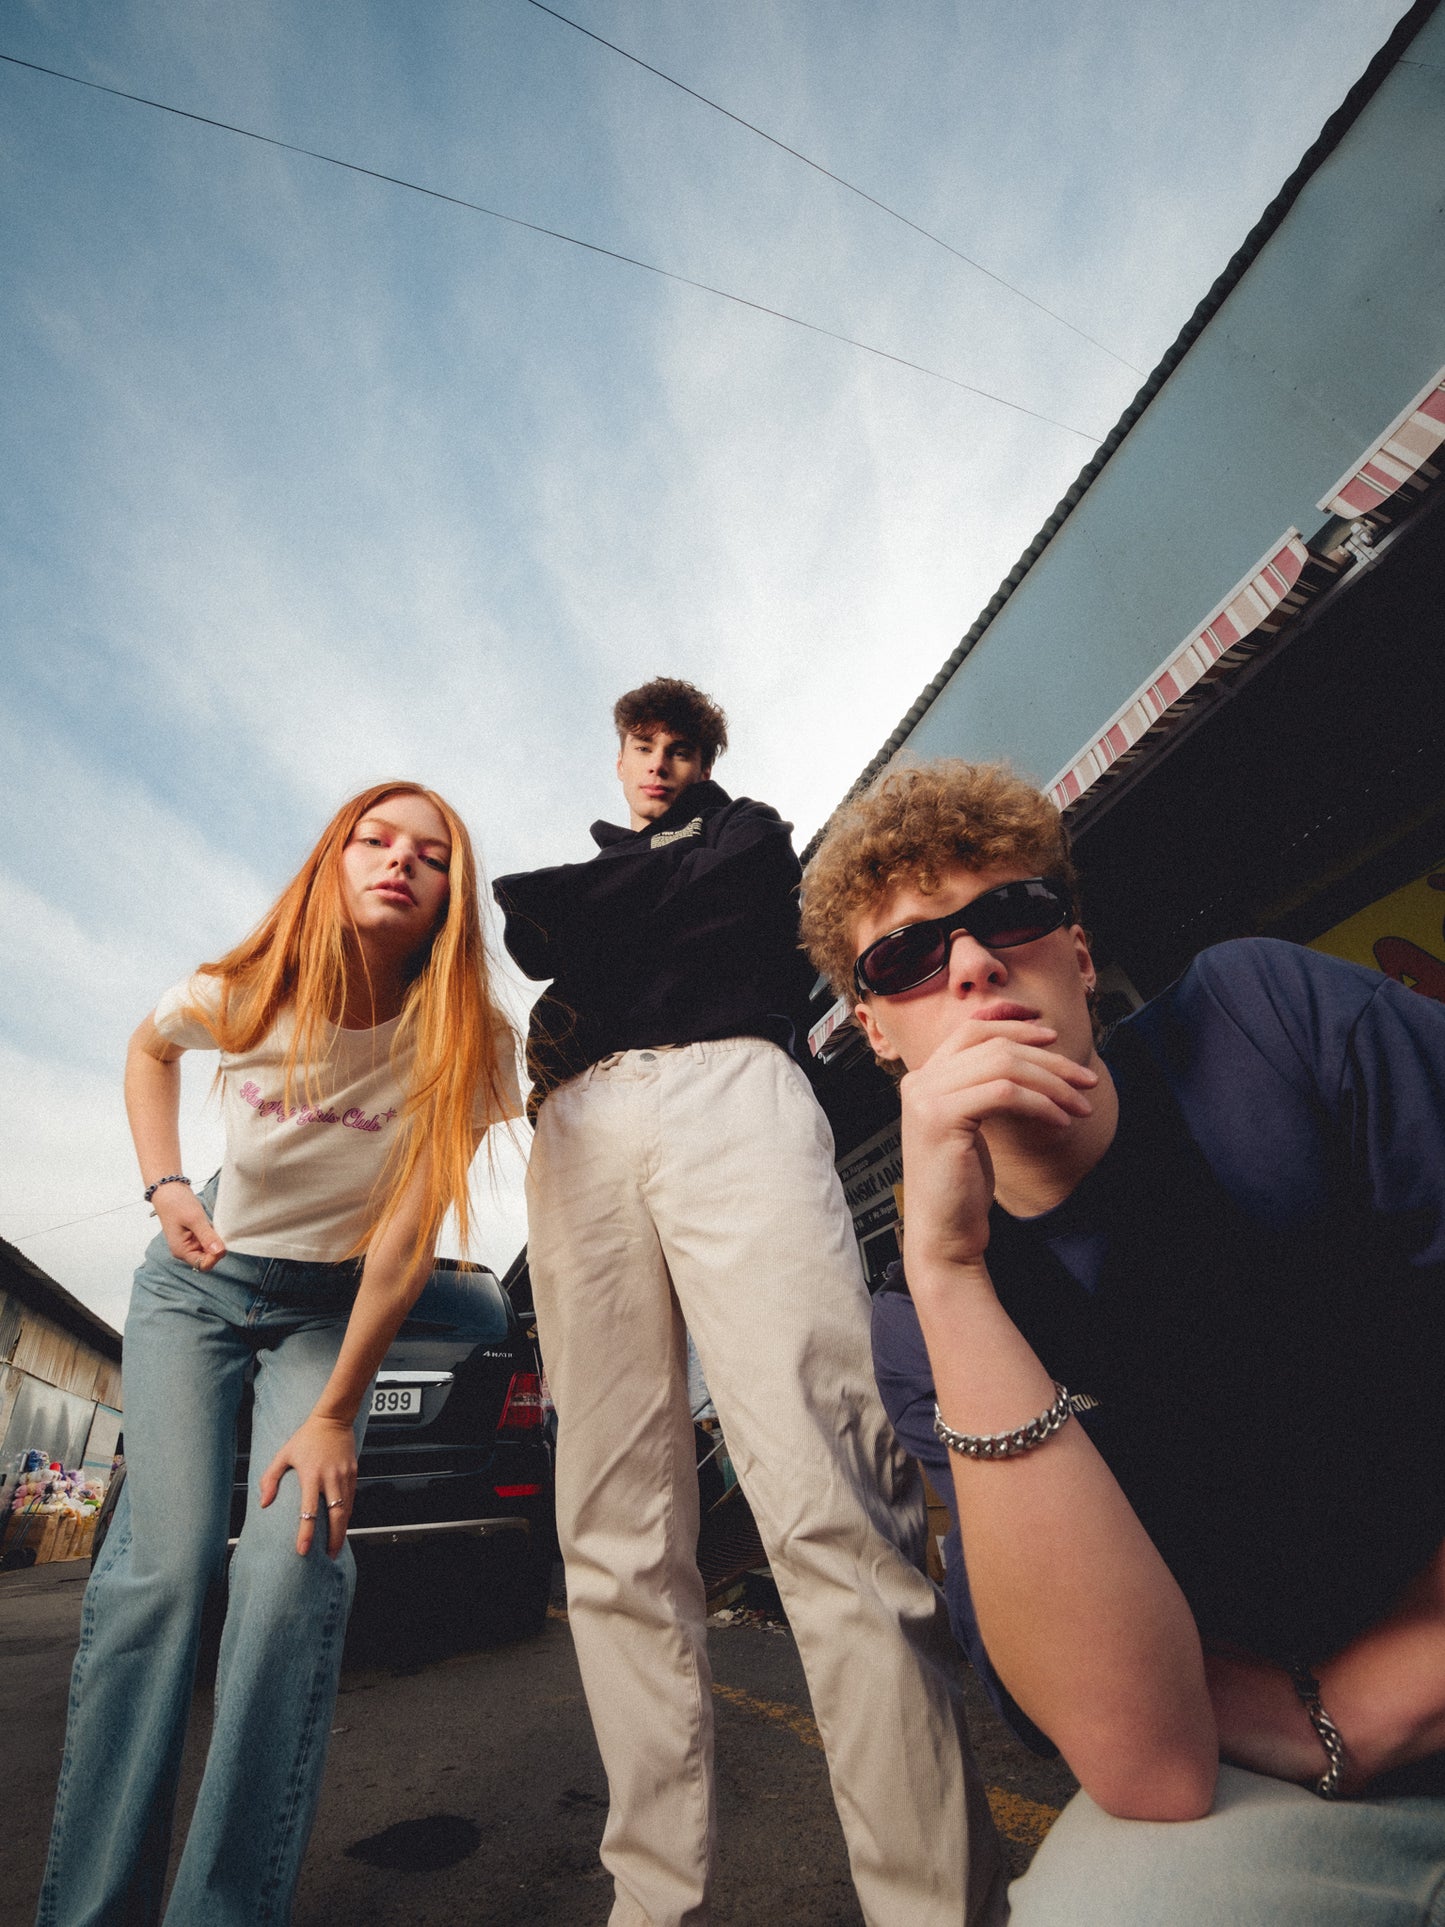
(1324, 144)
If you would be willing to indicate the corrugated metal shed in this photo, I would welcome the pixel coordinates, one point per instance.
(60, 1378)
(27, 1284)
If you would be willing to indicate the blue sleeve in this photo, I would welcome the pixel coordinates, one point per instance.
(905, 1384)
(1392, 1101)
(1299, 1073)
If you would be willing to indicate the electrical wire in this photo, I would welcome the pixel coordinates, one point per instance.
(90, 1216)
(863, 194)
(555, 234)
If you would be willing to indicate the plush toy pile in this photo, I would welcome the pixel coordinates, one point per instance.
(57, 1507)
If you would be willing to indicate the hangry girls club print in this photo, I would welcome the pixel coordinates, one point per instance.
(354, 1119)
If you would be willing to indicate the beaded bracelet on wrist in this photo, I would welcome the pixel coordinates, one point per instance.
(174, 1177)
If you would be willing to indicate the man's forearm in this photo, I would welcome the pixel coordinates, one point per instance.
(1083, 1620)
(1386, 1690)
(1262, 1724)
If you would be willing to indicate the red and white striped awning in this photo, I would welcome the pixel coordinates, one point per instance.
(1254, 606)
(1396, 458)
(837, 1014)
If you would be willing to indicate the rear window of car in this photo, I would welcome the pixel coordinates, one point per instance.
(467, 1302)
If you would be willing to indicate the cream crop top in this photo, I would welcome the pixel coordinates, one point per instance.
(298, 1183)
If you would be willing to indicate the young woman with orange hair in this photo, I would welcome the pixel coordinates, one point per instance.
(362, 1058)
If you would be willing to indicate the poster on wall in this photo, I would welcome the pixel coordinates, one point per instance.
(868, 1175)
(1402, 934)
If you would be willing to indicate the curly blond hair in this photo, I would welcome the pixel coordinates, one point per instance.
(910, 826)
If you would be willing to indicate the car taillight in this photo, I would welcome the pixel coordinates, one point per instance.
(522, 1407)
(517, 1491)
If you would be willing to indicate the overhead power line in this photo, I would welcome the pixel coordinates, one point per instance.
(45, 1230)
(554, 234)
(862, 193)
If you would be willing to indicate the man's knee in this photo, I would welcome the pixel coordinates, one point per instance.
(1097, 1871)
(1267, 1851)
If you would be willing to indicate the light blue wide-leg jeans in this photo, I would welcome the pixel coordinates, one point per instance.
(191, 1341)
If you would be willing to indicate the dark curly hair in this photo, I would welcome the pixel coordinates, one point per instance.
(669, 703)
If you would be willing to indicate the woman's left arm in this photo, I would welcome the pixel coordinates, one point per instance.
(1385, 1692)
(322, 1452)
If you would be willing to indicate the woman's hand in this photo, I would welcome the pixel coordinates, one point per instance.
(186, 1228)
(322, 1454)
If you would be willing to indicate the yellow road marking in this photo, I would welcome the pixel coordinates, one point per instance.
(801, 1725)
(1019, 1819)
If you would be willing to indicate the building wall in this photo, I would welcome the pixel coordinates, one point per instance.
(58, 1393)
(1335, 327)
(1332, 330)
(47, 1351)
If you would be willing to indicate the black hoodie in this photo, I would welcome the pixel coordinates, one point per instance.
(683, 930)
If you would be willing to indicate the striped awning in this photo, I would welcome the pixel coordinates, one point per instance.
(837, 1014)
(1399, 455)
(1255, 608)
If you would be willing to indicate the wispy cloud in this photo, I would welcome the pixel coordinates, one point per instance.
(311, 482)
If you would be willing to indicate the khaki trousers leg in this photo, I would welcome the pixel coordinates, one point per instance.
(694, 1189)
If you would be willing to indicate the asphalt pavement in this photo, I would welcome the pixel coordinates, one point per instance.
(463, 1783)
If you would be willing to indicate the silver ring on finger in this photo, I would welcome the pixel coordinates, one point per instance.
(308, 1515)
(331, 1504)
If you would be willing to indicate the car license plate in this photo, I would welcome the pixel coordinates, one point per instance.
(396, 1401)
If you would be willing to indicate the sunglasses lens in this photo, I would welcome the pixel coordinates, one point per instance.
(1017, 913)
(1001, 919)
(904, 959)
(1016, 924)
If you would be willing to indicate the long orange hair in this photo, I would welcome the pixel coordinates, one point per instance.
(297, 960)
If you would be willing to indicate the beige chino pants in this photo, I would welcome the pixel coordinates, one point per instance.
(694, 1188)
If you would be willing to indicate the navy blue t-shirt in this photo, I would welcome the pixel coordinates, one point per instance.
(1250, 1281)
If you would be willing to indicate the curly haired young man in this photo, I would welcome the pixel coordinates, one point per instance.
(1216, 1580)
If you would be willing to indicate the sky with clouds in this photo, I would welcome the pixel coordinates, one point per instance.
(312, 480)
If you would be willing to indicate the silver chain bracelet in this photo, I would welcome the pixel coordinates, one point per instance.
(1308, 1688)
(1008, 1445)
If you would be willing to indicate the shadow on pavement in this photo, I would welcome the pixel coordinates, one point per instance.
(416, 1605)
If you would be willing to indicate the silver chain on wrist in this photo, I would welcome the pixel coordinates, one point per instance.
(1008, 1445)
(1308, 1688)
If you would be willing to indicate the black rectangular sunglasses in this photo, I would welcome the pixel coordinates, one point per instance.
(1000, 919)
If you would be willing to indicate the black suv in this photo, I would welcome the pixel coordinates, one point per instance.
(455, 1446)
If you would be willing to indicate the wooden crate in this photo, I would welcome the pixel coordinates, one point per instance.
(59, 1535)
